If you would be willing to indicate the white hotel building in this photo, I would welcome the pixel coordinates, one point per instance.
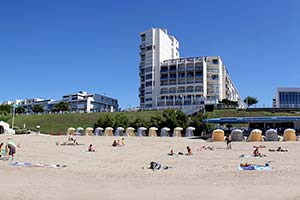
(168, 81)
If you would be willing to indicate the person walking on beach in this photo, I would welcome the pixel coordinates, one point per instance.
(228, 142)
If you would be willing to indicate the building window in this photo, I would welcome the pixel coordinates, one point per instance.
(149, 83)
(148, 99)
(148, 76)
(148, 48)
(215, 61)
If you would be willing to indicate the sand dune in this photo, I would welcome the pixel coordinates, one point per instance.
(121, 173)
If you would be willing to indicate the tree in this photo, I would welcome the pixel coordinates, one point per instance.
(105, 121)
(5, 109)
(20, 110)
(250, 101)
(61, 106)
(174, 118)
(37, 108)
(121, 120)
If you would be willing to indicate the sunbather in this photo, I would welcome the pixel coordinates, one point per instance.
(157, 166)
(91, 148)
(189, 151)
(279, 149)
(114, 144)
(171, 153)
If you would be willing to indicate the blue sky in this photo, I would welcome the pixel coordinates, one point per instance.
(50, 48)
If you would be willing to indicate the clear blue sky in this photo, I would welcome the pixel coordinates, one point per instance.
(50, 48)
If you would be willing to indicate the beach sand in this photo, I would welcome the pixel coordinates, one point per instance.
(121, 172)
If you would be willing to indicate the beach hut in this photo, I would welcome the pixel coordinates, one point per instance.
(130, 131)
(237, 135)
(189, 131)
(89, 131)
(98, 131)
(108, 131)
(255, 136)
(141, 131)
(271, 135)
(177, 132)
(289, 135)
(218, 135)
(119, 131)
(153, 132)
(79, 131)
(71, 131)
(164, 132)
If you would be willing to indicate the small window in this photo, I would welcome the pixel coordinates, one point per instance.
(148, 76)
(148, 48)
(149, 83)
(215, 61)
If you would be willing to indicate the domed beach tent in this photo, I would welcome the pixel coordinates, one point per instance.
(271, 135)
(164, 132)
(141, 131)
(218, 135)
(4, 127)
(289, 135)
(79, 131)
(153, 132)
(130, 131)
(237, 135)
(98, 131)
(177, 132)
(255, 136)
(89, 131)
(119, 131)
(189, 131)
(108, 131)
(71, 131)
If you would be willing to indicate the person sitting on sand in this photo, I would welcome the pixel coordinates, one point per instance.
(256, 152)
(114, 144)
(189, 151)
(123, 142)
(171, 153)
(118, 142)
(91, 148)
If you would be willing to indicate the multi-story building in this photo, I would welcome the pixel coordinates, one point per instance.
(84, 102)
(78, 102)
(287, 98)
(167, 81)
(194, 81)
(156, 46)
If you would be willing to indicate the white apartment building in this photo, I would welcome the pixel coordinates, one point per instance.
(181, 82)
(78, 102)
(156, 46)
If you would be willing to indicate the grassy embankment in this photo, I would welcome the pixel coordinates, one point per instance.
(58, 123)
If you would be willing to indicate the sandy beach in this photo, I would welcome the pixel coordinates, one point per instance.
(121, 172)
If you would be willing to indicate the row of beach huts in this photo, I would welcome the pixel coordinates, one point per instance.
(217, 135)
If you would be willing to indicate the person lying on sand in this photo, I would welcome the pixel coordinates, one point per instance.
(279, 149)
(207, 148)
(157, 166)
(91, 148)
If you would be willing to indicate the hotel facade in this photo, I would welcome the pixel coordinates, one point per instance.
(168, 81)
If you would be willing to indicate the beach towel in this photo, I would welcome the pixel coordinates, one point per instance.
(254, 167)
(28, 164)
